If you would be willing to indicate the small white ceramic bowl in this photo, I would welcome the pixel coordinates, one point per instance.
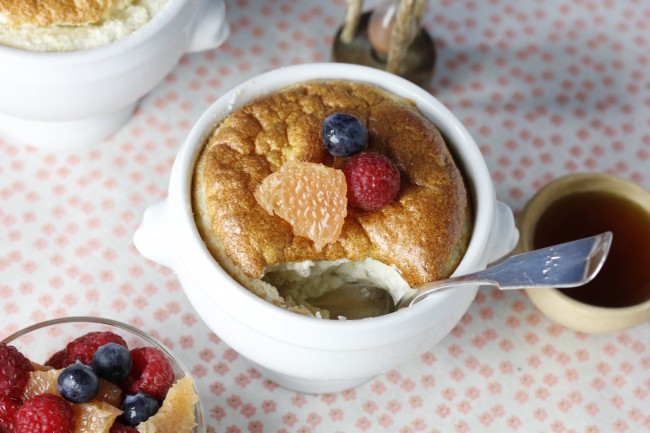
(303, 353)
(40, 341)
(54, 100)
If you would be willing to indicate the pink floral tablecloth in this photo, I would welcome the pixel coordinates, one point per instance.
(545, 87)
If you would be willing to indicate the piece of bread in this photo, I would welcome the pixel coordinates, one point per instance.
(423, 233)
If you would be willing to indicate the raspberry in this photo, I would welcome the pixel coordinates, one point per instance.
(57, 360)
(8, 409)
(373, 180)
(121, 428)
(84, 347)
(45, 413)
(151, 373)
(14, 372)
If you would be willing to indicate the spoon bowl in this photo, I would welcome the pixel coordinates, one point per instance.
(356, 301)
(570, 264)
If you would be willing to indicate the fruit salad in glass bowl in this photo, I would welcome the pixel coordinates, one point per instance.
(94, 375)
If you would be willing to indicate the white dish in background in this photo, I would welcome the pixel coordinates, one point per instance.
(304, 353)
(54, 34)
(55, 100)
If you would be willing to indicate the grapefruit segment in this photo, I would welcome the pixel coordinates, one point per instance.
(310, 196)
(177, 411)
(94, 417)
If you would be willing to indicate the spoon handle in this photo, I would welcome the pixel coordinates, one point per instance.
(570, 264)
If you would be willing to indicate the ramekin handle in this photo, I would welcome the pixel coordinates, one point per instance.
(504, 235)
(211, 27)
(153, 238)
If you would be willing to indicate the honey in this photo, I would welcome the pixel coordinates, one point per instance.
(624, 279)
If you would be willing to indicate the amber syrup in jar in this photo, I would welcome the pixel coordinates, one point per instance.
(624, 279)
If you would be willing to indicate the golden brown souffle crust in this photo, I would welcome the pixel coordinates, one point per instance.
(43, 13)
(423, 233)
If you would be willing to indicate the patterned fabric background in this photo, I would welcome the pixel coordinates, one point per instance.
(545, 87)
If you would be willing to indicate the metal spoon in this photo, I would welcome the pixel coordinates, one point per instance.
(569, 264)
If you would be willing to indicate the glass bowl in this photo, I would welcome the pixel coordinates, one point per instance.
(40, 341)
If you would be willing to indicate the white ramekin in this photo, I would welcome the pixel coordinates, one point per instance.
(54, 100)
(303, 353)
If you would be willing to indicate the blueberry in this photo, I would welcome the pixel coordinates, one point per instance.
(112, 362)
(343, 134)
(138, 408)
(78, 383)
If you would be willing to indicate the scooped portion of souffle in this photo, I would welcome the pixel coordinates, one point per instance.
(328, 182)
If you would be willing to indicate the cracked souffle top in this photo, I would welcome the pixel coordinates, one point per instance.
(423, 233)
(56, 25)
